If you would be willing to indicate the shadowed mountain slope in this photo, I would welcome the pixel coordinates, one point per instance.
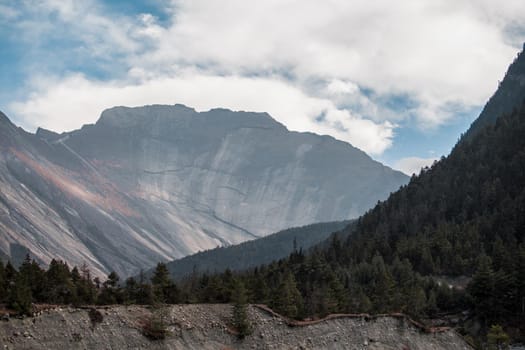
(256, 252)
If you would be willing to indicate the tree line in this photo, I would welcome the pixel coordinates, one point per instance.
(60, 284)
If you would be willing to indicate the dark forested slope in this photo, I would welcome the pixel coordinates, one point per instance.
(252, 253)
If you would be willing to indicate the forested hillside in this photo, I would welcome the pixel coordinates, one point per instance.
(463, 216)
(256, 252)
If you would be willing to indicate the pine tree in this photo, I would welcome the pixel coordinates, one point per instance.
(111, 293)
(164, 289)
(417, 301)
(20, 298)
(130, 291)
(33, 276)
(3, 285)
(240, 312)
(144, 294)
(481, 289)
(520, 281)
(287, 299)
(259, 288)
(86, 290)
(227, 286)
(504, 294)
(59, 288)
(382, 288)
(10, 274)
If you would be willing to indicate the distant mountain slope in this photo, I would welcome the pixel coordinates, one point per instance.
(252, 253)
(157, 183)
(509, 95)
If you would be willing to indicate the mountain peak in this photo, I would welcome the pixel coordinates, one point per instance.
(121, 116)
(7, 130)
(178, 114)
(4, 119)
(47, 135)
(508, 96)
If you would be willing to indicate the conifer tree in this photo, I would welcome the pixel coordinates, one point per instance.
(3, 286)
(59, 288)
(240, 312)
(20, 298)
(86, 291)
(164, 289)
(382, 287)
(520, 281)
(287, 299)
(33, 277)
(481, 288)
(130, 291)
(144, 294)
(111, 292)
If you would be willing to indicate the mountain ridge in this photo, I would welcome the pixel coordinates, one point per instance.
(149, 184)
(255, 252)
(509, 94)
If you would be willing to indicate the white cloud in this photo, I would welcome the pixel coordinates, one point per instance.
(340, 87)
(296, 59)
(439, 52)
(413, 165)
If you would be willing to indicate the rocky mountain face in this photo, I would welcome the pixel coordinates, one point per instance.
(157, 183)
(208, 327)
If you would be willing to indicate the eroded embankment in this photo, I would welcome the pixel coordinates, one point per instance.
(207, 327)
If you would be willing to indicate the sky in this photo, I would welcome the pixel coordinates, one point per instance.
(400, 80)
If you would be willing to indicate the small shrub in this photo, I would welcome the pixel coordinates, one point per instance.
(497, 339)
(96, 317)
(155, 326)
(154, 329)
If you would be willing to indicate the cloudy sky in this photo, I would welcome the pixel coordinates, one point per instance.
(399, 79)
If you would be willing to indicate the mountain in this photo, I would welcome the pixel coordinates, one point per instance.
(157, 183)
(462, 222)
(510, 93)
(256, 252)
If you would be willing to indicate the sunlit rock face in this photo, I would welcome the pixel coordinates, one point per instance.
(161, 182)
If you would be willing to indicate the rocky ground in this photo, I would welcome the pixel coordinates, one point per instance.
(207, 327)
